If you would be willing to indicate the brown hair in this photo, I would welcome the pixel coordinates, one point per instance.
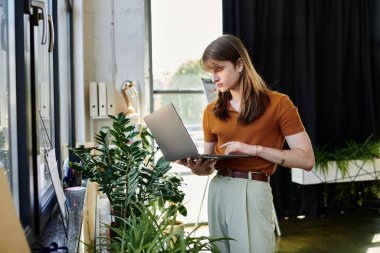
(253, 88)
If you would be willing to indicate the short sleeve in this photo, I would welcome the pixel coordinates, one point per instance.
(289, 118)
(208, 136)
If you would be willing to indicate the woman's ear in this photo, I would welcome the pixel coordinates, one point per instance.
(240, 65)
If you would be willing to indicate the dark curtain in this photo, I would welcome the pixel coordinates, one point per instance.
(325, 55)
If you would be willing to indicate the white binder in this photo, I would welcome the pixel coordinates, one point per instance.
(94, 110)
(102, 88)
(110, 99)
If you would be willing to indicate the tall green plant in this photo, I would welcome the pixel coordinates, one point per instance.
(125, 170)
(139, 191)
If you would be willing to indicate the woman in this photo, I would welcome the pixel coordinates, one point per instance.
(246, 118)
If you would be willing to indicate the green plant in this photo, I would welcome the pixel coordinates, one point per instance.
(146, 138)
(368, 150)
(352, 192)
(352, 195)
(145, 197)
(151, 231)
(125, 170)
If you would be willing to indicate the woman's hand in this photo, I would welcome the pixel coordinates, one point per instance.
(199, 166)
(237, 147)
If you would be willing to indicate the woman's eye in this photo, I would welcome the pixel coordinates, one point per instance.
(215, 71)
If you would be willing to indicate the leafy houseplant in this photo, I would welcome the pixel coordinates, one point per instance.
(357, 154)
(145, 233)
(125, 170)
(144, 196)
(367, 150)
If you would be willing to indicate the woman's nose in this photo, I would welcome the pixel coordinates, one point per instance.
(214, 78)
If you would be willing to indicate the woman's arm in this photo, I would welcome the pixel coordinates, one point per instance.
(201, 166)
(300, 155)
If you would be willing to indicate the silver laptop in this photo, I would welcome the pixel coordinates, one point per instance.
(172, 137)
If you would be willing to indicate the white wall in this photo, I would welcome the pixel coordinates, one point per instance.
(111, 37)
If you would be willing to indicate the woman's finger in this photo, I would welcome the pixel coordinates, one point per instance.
(190, 161)
(225, 145)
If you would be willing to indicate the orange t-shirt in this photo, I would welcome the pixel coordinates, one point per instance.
(280, 119)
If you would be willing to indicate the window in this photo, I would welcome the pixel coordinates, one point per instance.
(8, 134)
(180, 32)
(4, 95)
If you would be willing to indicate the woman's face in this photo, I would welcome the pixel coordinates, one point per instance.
(226, 75)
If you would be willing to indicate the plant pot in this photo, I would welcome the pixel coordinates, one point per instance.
(178, 230)
(357, 170)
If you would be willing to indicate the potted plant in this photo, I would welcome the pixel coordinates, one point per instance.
(125, 170)
(354, 162)
(355, 167)
(153, 231)
(139, 189)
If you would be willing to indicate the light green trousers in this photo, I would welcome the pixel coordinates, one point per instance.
(241, 209)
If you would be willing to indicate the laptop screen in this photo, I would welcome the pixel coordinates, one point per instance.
(170, 134)
(173, 138)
